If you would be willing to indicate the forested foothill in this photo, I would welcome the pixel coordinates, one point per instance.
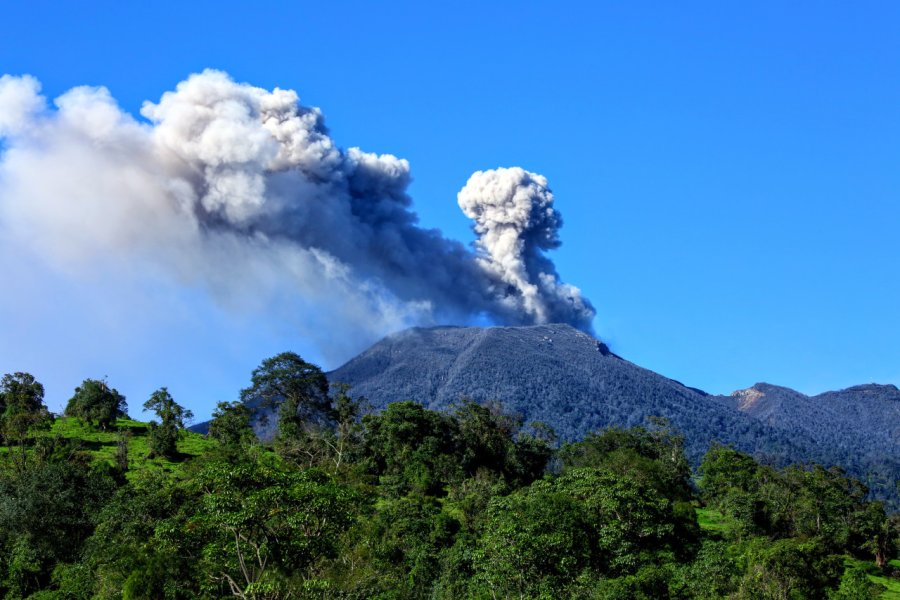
(408, 502)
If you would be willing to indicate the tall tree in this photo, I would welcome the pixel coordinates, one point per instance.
(172, 416)
(299, 391)
(230, 425)
(21, 408)
(96, 403)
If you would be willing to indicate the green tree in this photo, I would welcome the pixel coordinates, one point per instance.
(632, 523)
(298, 390)
(412, 449)
(485, 437)
(855, 585)
(713, 574)
(787, 569)
(97, 404)
(345, 441)
(730, 480)
(535, 543)
(142, 547)
(46, 513)
(874, 533)
(724, 468)
(164, 435)
(230, 425)
(399, 548)
(654, 455)
(21, 409)
(266, 527)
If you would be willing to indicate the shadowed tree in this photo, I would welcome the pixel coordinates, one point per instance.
(164, 435)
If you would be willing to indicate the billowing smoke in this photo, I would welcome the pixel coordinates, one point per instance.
(242, 192)
(515, 221)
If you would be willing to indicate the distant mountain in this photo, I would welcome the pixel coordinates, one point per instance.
(569, 380)
(857, 428)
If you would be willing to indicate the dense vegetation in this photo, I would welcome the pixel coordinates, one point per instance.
(408, 503)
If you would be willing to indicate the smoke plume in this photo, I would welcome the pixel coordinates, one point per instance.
(241, 192)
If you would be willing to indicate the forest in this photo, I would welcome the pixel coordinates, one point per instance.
(407, 502)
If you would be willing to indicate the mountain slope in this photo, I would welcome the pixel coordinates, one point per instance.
(569, 380)
(549, 373)
(857, 428)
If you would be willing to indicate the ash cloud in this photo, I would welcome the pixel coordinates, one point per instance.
(242, 192)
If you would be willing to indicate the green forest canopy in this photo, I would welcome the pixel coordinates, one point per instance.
(408, 503)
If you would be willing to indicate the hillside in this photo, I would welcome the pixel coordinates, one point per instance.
(569, 380)
(422, 504)
(102, 445)
(549, 373)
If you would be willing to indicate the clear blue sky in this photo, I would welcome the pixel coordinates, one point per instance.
(728, 173)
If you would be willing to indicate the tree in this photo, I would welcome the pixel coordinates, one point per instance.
(855, 585)
(230, 425)
(632, 522)
(21, 408)
(298, 390)
(46, 513)
(398, 549)
(656, 456)
(164, 435)
(346, 439)
(141, 548)
(412, 449)
(876, 533)
(535, 543)
(97, 404)
(266, 527)
(724, 469)
(788, 568)
(485, 437)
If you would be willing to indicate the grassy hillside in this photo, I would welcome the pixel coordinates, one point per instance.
(102, 444)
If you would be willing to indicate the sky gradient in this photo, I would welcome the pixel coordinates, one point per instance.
(727, 176)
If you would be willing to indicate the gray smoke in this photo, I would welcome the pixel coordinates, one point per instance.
(242, 192)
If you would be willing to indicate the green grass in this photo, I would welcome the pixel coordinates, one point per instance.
(101, 445)
(712, 521)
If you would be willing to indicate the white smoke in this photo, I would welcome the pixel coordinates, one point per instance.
(242, 192)
(515, 221)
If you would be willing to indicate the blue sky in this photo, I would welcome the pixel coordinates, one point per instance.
(727, 174)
